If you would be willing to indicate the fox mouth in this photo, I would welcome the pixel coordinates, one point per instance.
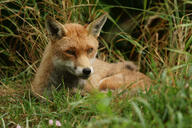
(84, 76)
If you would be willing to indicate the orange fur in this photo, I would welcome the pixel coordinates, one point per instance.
(73, 48)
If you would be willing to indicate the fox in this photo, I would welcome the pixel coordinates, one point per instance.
(70, 58)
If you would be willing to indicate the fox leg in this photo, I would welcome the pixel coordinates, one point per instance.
(125, 79)
(112, 82)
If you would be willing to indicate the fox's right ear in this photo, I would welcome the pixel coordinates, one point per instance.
(55, 29)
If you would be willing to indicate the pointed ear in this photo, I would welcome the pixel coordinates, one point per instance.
(95, 27)
(55, 29)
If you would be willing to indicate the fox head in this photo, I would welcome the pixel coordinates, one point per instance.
(74, 46)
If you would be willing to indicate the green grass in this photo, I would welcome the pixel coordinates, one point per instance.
(158, 37)
(161, 106)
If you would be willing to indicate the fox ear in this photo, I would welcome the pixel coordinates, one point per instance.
(95, 27)
(54, 28)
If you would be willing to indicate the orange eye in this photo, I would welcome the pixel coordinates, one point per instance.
(71, 52)
(90, 50)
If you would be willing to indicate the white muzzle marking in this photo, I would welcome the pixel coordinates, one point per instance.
(70, 66)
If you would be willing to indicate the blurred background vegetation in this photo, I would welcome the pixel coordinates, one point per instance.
(151, 33)
(156, 34)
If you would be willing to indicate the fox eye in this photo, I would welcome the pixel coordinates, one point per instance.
(90, 50)
(71, 52)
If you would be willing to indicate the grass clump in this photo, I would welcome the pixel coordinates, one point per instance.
(157, 35)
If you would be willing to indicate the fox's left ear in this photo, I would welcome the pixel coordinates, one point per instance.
(95, 27)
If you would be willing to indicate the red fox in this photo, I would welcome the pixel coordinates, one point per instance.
(69, 58)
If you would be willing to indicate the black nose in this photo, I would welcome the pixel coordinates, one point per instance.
(86, 71)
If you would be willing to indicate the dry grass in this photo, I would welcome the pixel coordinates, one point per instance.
(158, 37)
